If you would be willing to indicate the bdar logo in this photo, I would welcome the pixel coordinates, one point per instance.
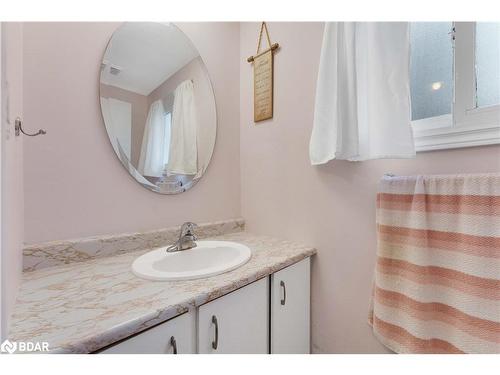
(8, 347)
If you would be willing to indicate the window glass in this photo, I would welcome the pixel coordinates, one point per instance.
(488, 63)
(431, 69)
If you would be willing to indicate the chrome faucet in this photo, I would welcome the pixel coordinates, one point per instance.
(187, 238)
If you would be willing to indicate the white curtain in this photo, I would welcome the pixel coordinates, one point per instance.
(183, 157)
(155, 144)
(362, 106)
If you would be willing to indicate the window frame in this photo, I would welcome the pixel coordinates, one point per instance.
(467, 125)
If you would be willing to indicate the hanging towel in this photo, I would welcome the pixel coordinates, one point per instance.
(437, 278)
(183, 157)
(362, 108)
(154, 149)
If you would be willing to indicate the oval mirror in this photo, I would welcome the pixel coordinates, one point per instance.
(158, 105)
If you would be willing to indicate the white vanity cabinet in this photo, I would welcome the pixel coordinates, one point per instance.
(270, 315)
(175, 336)
(237, 322)
(290, 309)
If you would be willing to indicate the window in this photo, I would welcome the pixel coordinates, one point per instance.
(431, 74)
(455, 84)
(488, 63)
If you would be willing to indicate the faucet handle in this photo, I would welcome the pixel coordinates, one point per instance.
(188, 227)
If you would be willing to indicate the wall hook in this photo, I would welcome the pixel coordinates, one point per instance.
(18, 126)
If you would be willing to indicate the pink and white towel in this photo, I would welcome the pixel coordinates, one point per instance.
(437, 278)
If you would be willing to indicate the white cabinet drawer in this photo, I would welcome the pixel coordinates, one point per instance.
(237, 322)
(290, 305)
(158, 340)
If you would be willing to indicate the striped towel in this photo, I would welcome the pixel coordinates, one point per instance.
(437, 278)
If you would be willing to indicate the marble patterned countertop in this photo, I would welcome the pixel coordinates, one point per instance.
(85, 306)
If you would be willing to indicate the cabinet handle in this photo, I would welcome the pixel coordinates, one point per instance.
(215, 343)
(283, 300)
(174, 344)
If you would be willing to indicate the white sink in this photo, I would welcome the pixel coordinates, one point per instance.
(208, 258)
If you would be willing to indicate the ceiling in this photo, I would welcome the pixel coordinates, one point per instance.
(145, 54)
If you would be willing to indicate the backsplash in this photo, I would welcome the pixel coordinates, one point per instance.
(56, 253)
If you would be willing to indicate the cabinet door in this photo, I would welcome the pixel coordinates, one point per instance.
(290, 305)
(175, 335)
(237, 322)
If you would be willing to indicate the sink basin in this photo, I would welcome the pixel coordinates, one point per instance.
(209, 258)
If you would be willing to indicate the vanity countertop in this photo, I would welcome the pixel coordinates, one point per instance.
(83, 307)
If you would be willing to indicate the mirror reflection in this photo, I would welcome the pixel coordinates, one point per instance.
(158, 105)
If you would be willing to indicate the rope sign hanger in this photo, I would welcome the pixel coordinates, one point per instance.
(263, 66)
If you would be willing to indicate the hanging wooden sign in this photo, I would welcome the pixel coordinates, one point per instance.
(263, 78)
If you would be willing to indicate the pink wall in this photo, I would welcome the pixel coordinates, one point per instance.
(12, 170)
(331, 207)
(74, 183)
